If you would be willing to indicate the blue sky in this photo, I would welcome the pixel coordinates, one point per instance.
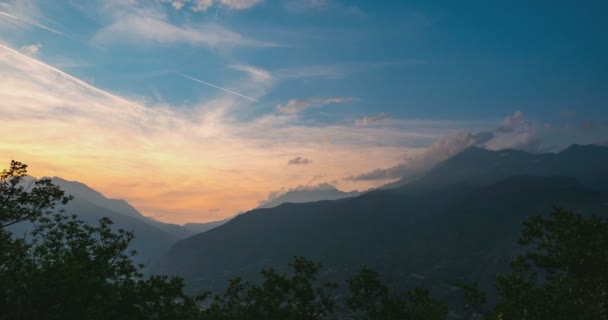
(383, 81)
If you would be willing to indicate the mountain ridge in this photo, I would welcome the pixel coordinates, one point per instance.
(437, 230)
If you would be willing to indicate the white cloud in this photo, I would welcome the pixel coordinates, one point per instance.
(257, 74)
(32, 49)
(201, 5)
(366, 121)
(440, 150)
(24, 13)
(136, 22)
(299, 105)
(514, 133)
(240, 4)
(139, 29)
(204, 5)
(63, 126)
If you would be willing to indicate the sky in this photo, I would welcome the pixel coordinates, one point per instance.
(195, 110)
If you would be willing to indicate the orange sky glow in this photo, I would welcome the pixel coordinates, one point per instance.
(201, 166)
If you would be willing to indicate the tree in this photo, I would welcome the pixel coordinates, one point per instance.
(473, 300)
(369, 297)
(280, 296)
(564, 277)
(21, 200)
(66, 269)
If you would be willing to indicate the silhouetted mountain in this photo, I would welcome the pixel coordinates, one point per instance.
(152, 238)
(308, 194)
(461, 220)
(82, 192)
(480, 166)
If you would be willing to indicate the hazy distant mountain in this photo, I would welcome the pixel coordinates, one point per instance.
(301, 194)
(152, 238)
(206, 226)
(461, 220)
(304, 194)
(480, 166)
(82, 192)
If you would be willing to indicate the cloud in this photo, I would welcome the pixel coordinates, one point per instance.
(257, 74)
(511, 123)
(138, 29)
(201, 5)
(32, 49)
(366, 121)
(440, 150)
(514, 133)
(63, 126)
(240, 4)
(274, 195)
(134, 23)
(299, 105)
(318, 71)
(204, 5)
(297, 161)
(25, 12)
(337, 71)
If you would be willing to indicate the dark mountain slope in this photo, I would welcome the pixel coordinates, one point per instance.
(589, 164)
(461, 219)
(461, 231)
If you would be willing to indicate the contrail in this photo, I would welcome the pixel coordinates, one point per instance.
(212, 85)
(35, 24)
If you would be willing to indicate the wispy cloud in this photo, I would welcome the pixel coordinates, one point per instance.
(209, 149)
(514, 133)
(366, 121)
(339, 71)
(204, 5)
(298, 105)
(32, 49)
(414, 165)
(137, 22)
(257, 74)
(29, 22)
(298, 161)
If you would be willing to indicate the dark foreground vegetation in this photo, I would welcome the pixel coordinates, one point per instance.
(66, 269)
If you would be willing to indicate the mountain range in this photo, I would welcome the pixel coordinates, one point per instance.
(303, 194)
(152, 238)
(459, 220)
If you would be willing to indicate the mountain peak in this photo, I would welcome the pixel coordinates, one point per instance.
(585, 148)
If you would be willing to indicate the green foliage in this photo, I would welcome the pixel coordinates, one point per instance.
(280, 296)
(66, 269)
(473, 300)
(369, 297)
(22, 201)
(564, 277)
